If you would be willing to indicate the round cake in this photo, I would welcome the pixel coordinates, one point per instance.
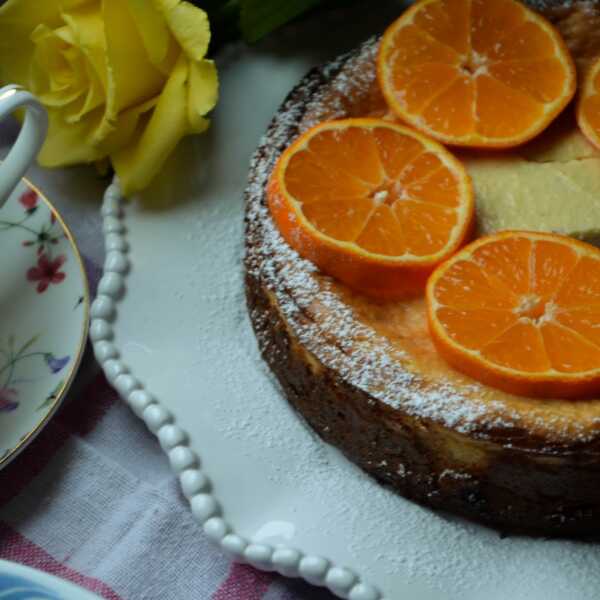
(364, 373)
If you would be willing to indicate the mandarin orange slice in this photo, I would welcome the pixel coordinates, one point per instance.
(588, 105)
(482, 73)
(520, 311)
(372, 203)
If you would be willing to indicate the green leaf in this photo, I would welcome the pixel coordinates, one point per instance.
(260, 17)
(52, 396)
(28, 344)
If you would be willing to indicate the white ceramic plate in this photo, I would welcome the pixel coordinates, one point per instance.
(44, 305)
(171, 331)
(23, 583)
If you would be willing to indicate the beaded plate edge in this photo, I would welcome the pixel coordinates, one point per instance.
(184, 461)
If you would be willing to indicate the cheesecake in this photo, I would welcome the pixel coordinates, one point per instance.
(364, 373)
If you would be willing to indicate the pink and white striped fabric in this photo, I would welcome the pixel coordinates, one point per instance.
(93, 500)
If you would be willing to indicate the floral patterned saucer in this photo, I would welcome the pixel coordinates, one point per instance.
(44, 312)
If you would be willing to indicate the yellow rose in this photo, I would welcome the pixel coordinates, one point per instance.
(123, 79)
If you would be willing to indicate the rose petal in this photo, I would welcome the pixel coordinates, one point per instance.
(78, 49)
(88, 57)
(155, 34)
(71, 144)
(203, 93)
(50, 76)
(18, 18)
(140, 161)
(189, 25)
(134, 77)
(129, 121)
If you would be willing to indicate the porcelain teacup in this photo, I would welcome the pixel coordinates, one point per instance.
(30, 139)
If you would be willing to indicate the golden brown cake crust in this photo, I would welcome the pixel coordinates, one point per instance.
(579, 24)
(365, 377)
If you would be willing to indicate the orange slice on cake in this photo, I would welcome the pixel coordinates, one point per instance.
(482, 73)
(588, 105)
(372, 203)
(520, 311)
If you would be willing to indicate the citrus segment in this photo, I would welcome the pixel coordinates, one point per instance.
(417, 82)
(436, 20)
(582, 321)
(439, 188)
(419, 169)
(476, 327)
(582, 288)
(372, 203)
(520, 347)
(413, 47)
(475, 72)
(395, 152)
(521, 311)
(491, 22)
(568, 351)
(551, 263)
(466, 287)
(506, 266)
(529, 40)
(450, 112)
(538, 79)
(425, 225)
(588, 105)
(382, 233)
(340, 219)
(504, 112)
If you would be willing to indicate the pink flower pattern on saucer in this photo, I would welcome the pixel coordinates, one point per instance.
(8, 399)
(47, 272)
(43, 238)
(45, 315)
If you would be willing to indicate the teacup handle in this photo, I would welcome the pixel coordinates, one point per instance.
(30, 140)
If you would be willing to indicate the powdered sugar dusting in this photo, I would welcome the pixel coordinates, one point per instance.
(543, 5)
(316, 313)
